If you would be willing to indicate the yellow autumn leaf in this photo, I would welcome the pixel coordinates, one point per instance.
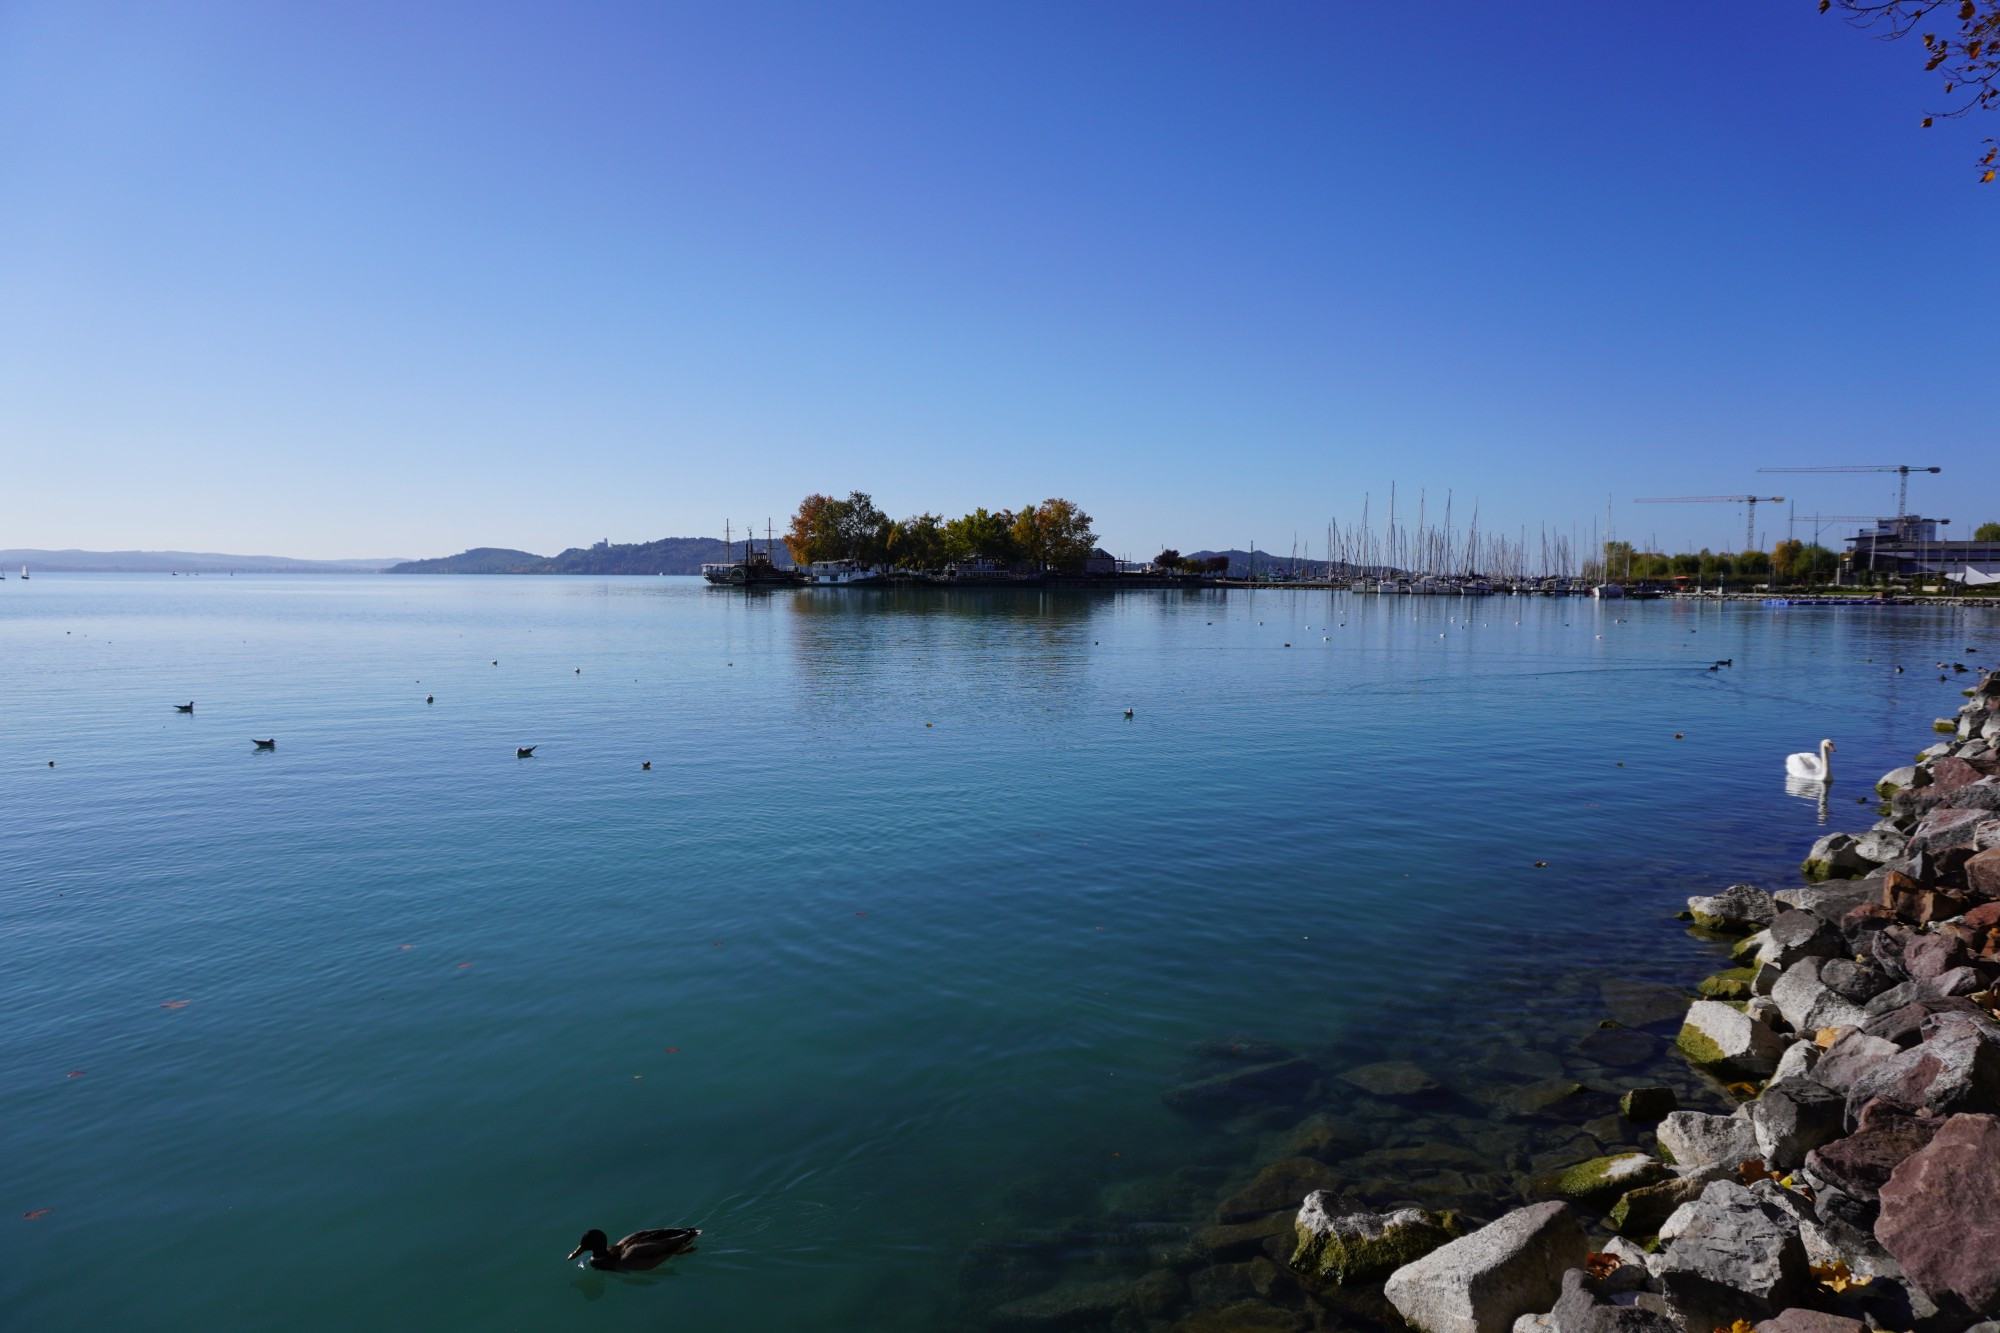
(1986, 178)
(1927, 122)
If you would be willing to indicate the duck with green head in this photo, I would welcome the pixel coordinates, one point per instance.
(637, 1252)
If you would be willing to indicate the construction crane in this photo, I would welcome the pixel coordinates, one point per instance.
(1750, 529)
(1902, 471)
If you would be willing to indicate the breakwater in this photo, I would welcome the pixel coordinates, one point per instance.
(1806, 1141)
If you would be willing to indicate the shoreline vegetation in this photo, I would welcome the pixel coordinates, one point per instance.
(1805, 1141)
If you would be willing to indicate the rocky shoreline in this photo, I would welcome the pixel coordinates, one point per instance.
(1845, 1176)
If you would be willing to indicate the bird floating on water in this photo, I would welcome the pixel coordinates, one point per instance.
(524, 752)
(187, 707)
(646, 765)
(1816, 767)
(1128, 714)
(430, 698)
(271, 744)
(637, 1252)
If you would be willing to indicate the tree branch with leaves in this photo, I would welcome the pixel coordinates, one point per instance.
(1968, 58)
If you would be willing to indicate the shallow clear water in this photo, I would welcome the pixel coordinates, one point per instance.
(883, 968)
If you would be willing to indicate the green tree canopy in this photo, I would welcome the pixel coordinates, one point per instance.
(1986, 532)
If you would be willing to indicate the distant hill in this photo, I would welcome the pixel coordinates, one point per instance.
(668, 555)
(1266, 563)
(185, 562)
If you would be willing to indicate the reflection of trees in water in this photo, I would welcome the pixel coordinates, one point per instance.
(928, 645)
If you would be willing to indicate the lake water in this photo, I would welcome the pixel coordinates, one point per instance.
(880, 973)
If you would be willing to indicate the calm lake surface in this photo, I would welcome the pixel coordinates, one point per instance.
(883, 968)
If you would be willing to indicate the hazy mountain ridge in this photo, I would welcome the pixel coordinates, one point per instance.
(166, 562)
(668, 555)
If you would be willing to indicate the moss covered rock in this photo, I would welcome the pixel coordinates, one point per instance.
(1602, 1179)
(1723, 1040)
(1646, 1105)
(1340, 1248)
(1733, 984)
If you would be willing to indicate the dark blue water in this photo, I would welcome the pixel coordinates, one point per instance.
(884, 966)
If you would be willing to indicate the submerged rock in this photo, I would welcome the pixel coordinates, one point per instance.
(1642, 1004)
(1618, 1048)
(1278, 1187)
(1483, 1282)
(1337, 1247)
(1582, 1308)
(1283, 1082)
(1391, 1078)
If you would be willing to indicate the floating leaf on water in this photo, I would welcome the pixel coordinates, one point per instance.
(673, 1050)
(34, 1213)
(1743, 1092)
(463, 966)
(173, 1004)
(74, 1073)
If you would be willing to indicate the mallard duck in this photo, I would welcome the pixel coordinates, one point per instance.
(637, 1252)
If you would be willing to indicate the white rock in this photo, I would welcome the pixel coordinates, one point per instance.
(1699, 1141)
(1483, 1282)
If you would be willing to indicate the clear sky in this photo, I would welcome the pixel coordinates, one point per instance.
(362, 279)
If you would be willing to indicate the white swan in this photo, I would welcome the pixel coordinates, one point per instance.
(1806, 764)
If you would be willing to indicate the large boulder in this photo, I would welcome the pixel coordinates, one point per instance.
(1337, 1247)
(1793, 1118)
(1696, 1140)
(1880, 846)
(1896, 779)
(1857, 982)
(1982, 873)
(1392, 1078)
(1732, 1255)
(1831, 901)
(1852, 1053)
(1483, 1282)
(1860, 1164)
(1955, 1068)
(1582, 1308)
(1808, 1004)
(1737, 910)
(1800, 934)
(1941, 1214)
(1798, 1319)
(1946, 827)
(1834, 857)
(1727, 1042)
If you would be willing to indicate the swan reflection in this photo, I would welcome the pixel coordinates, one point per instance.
(1809, 789)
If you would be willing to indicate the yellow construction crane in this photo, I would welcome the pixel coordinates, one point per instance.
(1750, 529)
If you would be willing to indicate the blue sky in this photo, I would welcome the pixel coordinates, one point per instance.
(370, 279)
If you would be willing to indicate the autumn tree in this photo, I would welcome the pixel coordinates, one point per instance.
(828, 529)
(1055, 534)
(1963, 50)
